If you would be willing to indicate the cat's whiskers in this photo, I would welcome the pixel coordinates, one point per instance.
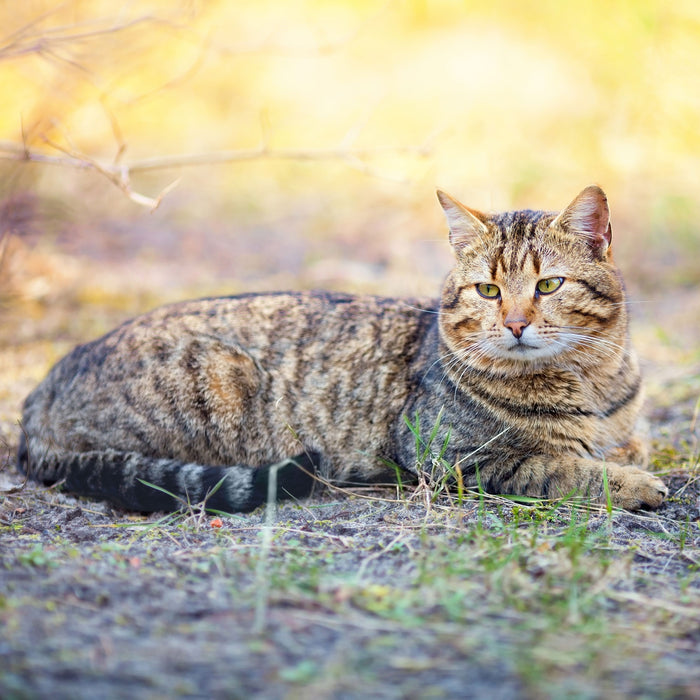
(566, 347)
(588, 353)
(437, 312)
(459, 359)
(476, 352)
(581, 337)
(455, 356)
(447, 361)
(474, 348)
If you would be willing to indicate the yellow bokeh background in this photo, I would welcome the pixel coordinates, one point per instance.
(505, 104)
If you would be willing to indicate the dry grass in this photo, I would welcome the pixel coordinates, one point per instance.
(351, 596)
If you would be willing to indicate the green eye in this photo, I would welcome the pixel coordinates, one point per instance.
(549, 285)
(489, 291)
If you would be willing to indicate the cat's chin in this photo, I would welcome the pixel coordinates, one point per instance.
(526, 352)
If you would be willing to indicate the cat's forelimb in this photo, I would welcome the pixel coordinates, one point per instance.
(546, 476)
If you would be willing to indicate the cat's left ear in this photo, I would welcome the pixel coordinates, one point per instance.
(589, 216)
(466, 225)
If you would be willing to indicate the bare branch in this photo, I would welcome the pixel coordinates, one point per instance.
(120, 174)
(55, 43)
(33, 39)
(300, 154)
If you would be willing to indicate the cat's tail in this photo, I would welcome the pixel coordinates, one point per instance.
(136, 482)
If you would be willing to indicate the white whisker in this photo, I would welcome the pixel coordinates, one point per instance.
(419, 308)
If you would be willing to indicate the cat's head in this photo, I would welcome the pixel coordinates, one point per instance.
(532, 286)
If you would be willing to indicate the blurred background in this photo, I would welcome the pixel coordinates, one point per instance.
(155, 150)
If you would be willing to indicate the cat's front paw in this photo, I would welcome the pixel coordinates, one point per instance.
(632, 489)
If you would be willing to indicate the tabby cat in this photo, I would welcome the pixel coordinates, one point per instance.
(524, 365)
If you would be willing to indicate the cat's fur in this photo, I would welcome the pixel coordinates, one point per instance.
(539, 390)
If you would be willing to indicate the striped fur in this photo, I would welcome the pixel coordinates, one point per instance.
(539, 390)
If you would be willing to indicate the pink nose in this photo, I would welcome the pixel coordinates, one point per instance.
(517, 326)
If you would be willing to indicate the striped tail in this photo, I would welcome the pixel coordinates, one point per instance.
(146, 484)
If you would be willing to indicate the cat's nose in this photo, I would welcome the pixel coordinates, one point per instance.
(517, 326)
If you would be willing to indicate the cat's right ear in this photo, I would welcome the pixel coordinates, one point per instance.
(466, 225)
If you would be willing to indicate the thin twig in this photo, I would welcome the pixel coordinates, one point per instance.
(300, 154)
(120, 174)
(43, 40)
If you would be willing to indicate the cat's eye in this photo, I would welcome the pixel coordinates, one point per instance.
(489, 291)
(549, 285)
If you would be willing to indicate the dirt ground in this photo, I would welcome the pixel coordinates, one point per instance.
(98, 604)
(381, 594)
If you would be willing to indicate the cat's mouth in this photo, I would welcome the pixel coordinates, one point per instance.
(529, 351)
(526, 350)
(522, 344)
